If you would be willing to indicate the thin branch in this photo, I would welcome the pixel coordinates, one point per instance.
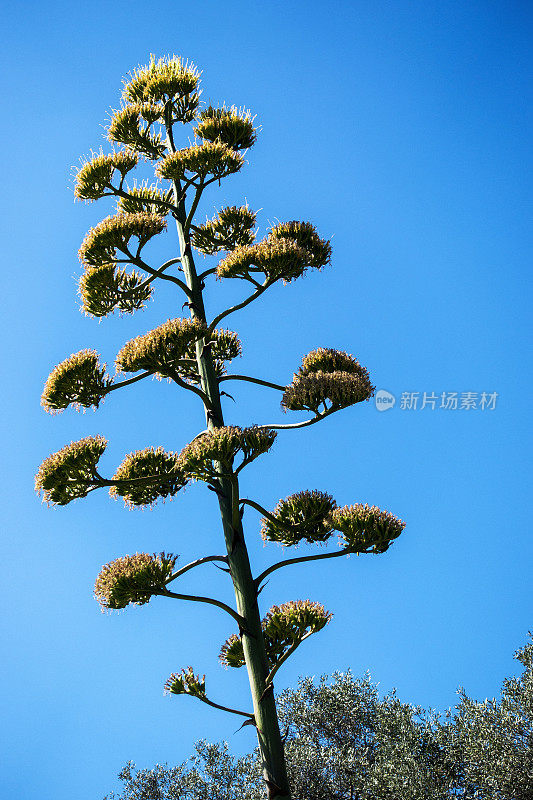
(252, 380)
(222, 708)
(304, 424)
(137, 260)
(194, 206)
(184, 385)
(237, 307)
(120, 384)
(208, 272)
(196, 563)
(345, 551)
(283, 659)
(210, 600)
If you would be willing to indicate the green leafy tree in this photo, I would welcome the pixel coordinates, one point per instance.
(193, 352)
(345, 743)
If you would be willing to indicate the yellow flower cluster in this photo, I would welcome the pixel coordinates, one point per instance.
(221, 445)
(77, 381)
(186, 682)
(96, 174)
(327, 374)
(288, 250)
(366, 528)
(70, 473)
(133, 579)
(284, 627)
(233, 127)
(114, 233)
(131, 124)
(106, 288)
(166, 79)
(303, 515)
(199, 161)
(147, 475)
(232, 227)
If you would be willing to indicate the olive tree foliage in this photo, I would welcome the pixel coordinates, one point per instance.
(187, 149)
(344, 742)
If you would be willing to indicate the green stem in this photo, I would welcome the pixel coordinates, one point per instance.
(279, 564)
(241, 622)
(265, 714)
(259, 381)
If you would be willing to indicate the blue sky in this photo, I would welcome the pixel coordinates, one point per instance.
(402, 130)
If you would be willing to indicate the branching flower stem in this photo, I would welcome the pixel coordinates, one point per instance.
(259, 291)
(194, 564)
(344, 552)
(241, 622)
(259, 381)
(222, 708)
(264, 706)
(294, 425)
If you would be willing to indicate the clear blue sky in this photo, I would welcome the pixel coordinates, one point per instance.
(402, 129)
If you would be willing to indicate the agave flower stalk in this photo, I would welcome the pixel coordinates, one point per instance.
(193, 353)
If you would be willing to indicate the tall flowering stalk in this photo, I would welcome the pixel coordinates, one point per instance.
(193, 352)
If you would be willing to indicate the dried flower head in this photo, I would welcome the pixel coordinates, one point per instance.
(131, 125)
(327, 375)
(70, 473)
(167, 78)
(161, 349)
(303, 515)
(201, 160)
(186, 682)
(366, 528)
(221, 445)
(233, 127)
(148, 198)
(77, 381)
(107, 288)
(95, 175)
(305, 235)
(148, 475)
(133, 579)
(232, 227)
(114, 233)
(284, 628)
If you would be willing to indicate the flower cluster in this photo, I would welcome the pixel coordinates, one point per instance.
(288, 250)
(327, 374)
(161, 349)
(144, 198)
(284, 628)
(303, 515)
(201, 160)
(147, 475)
(221, 445)
(186, 682)
(169, 350)
(366, 528)
(106, 288)
(233, 127)
(77, 381)
(95, 175)
(305, 235)
(115, 232)
(166, 79)
(70, 473)
(232, 227)
(131, 124)
(133, 579)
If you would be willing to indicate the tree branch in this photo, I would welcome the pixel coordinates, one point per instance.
(222, 708)
(210, 600)
(237, 307)
(345, 551)
(184, 385)
(120, 384)
(304, 424)
(252, 380)
(196, 563)
(283, 659)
